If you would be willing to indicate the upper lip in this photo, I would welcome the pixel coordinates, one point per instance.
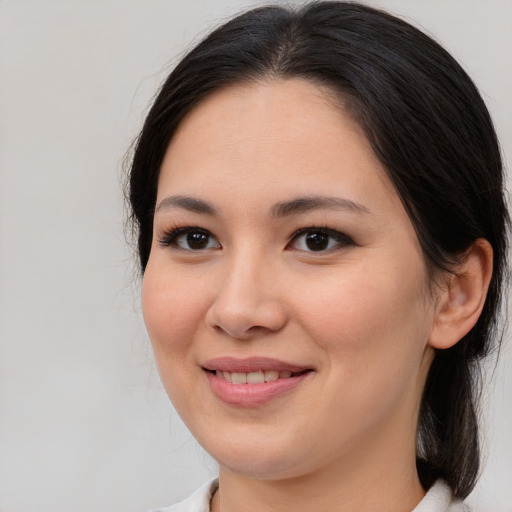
(251, 364)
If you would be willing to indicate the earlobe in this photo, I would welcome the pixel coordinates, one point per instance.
(462, 297)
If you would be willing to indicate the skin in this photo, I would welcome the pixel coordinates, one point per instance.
(360, 314)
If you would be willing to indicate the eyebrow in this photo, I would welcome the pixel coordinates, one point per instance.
(191, 204)
(281, 209)
(308, 203)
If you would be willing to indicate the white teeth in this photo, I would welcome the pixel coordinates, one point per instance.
(238, 378)
(271, 375)
(258, 377)
(255, 378)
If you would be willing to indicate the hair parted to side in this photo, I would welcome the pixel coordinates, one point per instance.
(426, 123)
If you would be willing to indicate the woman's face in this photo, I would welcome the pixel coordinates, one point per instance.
(282, 255)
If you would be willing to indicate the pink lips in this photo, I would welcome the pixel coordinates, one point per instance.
(274, 378)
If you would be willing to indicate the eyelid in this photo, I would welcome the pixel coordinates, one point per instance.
(169, 237)
(341, 238)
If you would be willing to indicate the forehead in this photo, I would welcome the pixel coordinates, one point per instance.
(272, 138)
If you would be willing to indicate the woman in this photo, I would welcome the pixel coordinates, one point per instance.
(318, 197)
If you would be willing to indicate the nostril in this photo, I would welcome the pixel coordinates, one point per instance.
(257, 329)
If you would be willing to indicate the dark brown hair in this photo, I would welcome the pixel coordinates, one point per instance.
(429, 127)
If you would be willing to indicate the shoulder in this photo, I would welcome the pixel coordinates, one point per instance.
(439, 498)
(197, 502)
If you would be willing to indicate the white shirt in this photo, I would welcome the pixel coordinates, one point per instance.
(438, 499)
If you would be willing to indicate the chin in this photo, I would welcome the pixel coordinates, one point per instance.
(271, 461)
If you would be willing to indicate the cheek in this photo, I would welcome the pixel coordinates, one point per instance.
(369, 316)
(372, 331)
(172, 311)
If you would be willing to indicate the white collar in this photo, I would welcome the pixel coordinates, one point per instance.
(439, 498)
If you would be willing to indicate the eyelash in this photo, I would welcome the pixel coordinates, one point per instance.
(342, 240)
(170, 237)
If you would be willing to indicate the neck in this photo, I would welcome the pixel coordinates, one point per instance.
(381, 479)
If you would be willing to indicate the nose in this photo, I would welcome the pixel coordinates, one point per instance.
(247, 303)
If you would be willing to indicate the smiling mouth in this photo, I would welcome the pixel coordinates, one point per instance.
(257, 377)
(253, 381)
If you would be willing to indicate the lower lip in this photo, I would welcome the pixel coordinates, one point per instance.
(252, 395)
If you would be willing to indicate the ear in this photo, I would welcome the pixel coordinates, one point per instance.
(462, 296)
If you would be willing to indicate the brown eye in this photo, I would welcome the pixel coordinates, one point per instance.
(316, 241)
(197, 240)
(319, 240)
(190, 239)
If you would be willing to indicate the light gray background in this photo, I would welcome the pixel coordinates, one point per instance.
(84, 423)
